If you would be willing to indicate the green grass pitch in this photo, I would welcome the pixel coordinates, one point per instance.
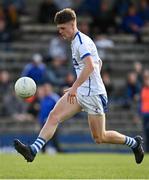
(74, 166)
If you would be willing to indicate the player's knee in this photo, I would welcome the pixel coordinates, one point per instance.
(99, 139)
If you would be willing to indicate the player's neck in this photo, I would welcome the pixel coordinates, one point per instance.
(74, 34)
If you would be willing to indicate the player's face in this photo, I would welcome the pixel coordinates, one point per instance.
(66, 30)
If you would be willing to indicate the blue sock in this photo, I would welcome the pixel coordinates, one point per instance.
(131, 142)
(37, 145)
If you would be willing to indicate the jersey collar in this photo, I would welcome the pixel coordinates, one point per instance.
(76, 34)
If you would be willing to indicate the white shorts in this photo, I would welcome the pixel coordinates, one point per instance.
(96, 104)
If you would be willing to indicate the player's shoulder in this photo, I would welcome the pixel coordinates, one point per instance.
(81, 38)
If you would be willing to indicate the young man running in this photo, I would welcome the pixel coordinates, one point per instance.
(87, 93)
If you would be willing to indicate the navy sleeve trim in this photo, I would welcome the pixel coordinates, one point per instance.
(87, 54)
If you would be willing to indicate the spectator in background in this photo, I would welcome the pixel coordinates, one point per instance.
(133, 23)
(144, 10)
(47, 11)
(108, 83)
(12, 17)
(2, 14)
(64, 3)
(104, 21)
(15, 107)
(84, 27)
(146, 73)
(47, 102)
(103, 43)
(19, 4)
(119, 10)
(5, 35)
(12, 106)
(5, 90)
(69, 80)
(9, 22)
(5, 83)
(34, 102)
(132, 89)
(6, 94)
(120, 7)
(57, 72)
(89, 7)
(36, 69)
(138, 69)
(144, 108)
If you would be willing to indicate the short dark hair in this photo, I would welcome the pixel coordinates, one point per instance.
(65, 16)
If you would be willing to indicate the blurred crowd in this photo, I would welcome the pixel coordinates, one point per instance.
(10, 12)
(115, 16)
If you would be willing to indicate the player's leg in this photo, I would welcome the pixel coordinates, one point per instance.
(101, 135)
(62, 110)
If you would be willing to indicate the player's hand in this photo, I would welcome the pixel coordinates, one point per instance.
(66, 90)
(71, 95)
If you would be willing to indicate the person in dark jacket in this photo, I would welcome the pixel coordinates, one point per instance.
(133, 23)
(47, 11)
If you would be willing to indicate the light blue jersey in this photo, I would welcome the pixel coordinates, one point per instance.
(83, 46)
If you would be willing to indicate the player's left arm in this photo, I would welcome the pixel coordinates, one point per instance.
(84, 75)
(87, 70)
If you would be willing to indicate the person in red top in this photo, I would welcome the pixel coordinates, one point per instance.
(144, 107)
